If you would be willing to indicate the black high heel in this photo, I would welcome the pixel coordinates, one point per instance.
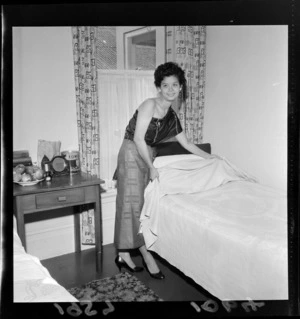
(122, 263)
(158, 275)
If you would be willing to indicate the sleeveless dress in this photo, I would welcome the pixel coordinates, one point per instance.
(132, 176)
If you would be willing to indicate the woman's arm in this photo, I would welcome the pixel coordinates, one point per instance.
(191, 147)
(145, 114)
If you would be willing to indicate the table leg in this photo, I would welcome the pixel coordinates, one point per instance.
(20, 220)
(77, 211)
(98, 229)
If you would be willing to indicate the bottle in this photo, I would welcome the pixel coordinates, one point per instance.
(48, 175)
(44, 160)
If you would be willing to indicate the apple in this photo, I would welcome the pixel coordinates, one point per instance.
(26, 177)
(20, 168)
(38, 174)
(16, 176)
(29, 170)
(35, 168)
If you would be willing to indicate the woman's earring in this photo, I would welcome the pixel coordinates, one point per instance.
(180, 95)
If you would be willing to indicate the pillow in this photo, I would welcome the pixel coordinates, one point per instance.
(174, 148)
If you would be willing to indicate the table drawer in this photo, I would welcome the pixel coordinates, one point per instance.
(59, 198)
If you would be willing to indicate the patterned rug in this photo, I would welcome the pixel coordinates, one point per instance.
(121, 287)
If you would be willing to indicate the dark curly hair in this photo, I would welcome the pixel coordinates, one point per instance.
(169, 69)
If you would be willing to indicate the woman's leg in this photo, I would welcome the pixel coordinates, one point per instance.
(126, 257)
(130, 193)
(149, 260)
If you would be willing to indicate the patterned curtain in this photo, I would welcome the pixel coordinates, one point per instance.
(84, 50)
(186, 45)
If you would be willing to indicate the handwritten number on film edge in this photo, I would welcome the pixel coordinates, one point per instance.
(212, 306)
(75, 311)
(209, 305)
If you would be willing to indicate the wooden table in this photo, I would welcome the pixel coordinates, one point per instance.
(62, 191)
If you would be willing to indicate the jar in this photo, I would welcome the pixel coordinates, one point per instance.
(73, 160)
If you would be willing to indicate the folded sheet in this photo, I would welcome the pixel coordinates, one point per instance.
(183, 174)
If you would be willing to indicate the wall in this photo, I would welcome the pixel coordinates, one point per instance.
(44, 105)
(246, 99)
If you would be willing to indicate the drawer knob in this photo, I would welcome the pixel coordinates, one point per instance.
(62, 198)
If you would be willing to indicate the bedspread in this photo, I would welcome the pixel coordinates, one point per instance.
(183, 174)
(32, 281)
(231, 240)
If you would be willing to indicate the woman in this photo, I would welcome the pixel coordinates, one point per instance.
(153, 122)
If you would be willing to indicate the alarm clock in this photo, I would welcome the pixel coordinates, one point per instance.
(59, 165)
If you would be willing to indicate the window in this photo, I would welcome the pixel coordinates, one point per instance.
(126, 60)
(144, 48)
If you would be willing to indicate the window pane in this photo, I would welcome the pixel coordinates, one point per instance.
(106, 48)
(142, 50)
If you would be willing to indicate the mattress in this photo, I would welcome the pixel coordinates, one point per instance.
(32, 281)
(231, 240)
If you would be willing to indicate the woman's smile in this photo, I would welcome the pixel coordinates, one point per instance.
(170, 87)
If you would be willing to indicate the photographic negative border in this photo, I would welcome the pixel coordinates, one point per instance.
(244, 12)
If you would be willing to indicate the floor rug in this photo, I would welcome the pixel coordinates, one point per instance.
(121, 287)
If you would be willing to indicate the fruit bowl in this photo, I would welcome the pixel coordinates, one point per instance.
(28, 175)
(30, 183)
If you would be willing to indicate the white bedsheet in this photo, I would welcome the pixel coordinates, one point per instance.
(230, 239)
(183, 174)
(32, 281)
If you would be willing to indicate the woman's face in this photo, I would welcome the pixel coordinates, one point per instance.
(170, 88)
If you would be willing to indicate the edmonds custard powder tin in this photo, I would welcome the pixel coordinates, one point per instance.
(72, 157)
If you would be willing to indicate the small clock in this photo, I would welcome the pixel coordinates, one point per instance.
(59, 165)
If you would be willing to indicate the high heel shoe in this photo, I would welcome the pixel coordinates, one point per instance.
(121, 263)
(158, 275)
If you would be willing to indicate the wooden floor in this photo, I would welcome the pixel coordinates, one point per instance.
(74, 269)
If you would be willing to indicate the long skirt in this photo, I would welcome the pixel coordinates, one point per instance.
(132, 178)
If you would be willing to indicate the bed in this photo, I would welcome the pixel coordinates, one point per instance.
(32, 281)
(218, 225)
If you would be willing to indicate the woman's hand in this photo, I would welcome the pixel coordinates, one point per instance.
(154, 174)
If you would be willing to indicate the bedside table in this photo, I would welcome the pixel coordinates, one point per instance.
(62, 191)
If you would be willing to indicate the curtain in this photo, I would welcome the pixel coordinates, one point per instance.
(121, 91)
(84, 50)
(186, 45)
